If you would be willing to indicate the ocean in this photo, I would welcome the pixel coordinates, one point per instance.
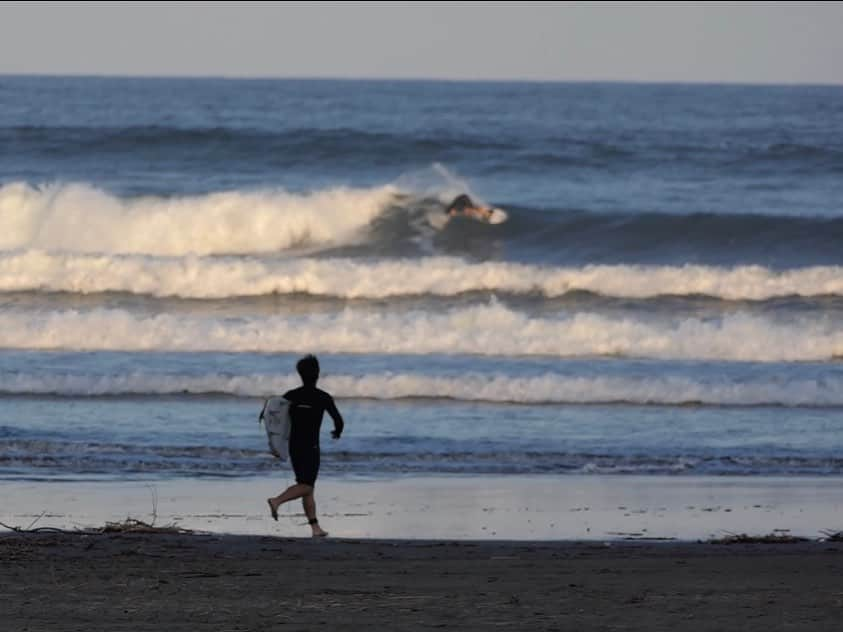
(665, 299)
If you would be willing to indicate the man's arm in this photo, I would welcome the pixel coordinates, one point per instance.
(339, 424)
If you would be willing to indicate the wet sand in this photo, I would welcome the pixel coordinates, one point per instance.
(450, 508)
(53, 581)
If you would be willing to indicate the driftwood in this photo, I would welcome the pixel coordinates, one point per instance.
(37, 530)
(130, 525)
(770, 538)
(31, 528)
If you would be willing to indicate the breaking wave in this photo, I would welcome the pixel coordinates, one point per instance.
(548, 388)
(197, 277)
(490, 329)
(79, 218)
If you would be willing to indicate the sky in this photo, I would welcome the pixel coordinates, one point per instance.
(733, 42)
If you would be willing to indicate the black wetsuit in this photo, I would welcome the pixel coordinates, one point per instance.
(307, 406)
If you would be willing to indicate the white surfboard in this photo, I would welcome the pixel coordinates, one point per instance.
(497, 216)
(439, 220)
(276, 420)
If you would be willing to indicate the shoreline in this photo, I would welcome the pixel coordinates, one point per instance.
(524, 508)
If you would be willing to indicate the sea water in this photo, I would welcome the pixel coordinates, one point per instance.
(666, 297)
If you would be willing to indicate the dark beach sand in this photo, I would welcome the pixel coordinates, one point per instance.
(53, 581)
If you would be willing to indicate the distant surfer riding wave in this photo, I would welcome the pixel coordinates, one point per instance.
(464, 206)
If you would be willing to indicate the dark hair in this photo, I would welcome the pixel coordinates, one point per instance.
(308, 368)
(460, 203)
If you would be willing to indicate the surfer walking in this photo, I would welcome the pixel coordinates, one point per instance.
(308, 405)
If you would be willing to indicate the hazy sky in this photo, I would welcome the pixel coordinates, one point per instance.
(755, 42)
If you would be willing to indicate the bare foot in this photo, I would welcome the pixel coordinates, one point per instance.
(273, 509)
(318, 532)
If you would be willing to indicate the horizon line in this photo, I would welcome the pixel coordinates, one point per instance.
(390, 79)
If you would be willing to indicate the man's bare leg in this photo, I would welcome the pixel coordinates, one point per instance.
(299, 490)
(309, 504)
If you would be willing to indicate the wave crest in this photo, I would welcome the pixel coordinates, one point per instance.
(486, 330)
(349, 278)
(547, 388)
(78, 218)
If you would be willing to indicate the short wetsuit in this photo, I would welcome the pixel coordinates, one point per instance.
(307, 406)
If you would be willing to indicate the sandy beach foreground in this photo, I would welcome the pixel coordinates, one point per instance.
(53, 581)
(539, 553)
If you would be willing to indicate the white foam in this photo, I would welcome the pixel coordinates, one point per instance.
(223, 277)
(490, 329)
(78, 218)
(437, 181)
(543, 389)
